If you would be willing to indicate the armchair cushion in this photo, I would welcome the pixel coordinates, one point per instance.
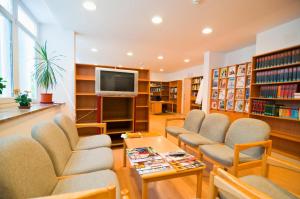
(89, 160)
(53, 139)
(69, 128)
(87, 181)
(175, 130)
(25, 168)
(93, 141)
(194, 140)
(194, 120)
(268, 187)
(223, 154)
(247, 130)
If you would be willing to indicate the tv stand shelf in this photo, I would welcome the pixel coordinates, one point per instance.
(121, 114)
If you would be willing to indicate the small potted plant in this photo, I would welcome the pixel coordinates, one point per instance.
(2, 85)
(46, 71)
(23, 100)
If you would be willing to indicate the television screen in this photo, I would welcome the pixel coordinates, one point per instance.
(117, 81)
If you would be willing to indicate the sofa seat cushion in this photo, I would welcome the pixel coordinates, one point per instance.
(92, 142)
(194, 140)
(83, 182)
(268, 187)
(223, 154)
(89, 160)
(175, 130)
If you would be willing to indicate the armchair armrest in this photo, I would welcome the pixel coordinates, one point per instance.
(283, 164)
(96, 125)
(173, 119)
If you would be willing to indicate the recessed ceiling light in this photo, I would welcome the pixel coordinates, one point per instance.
(186, 60)
(207, 30)
(129, 53)
(89, 5)
(161, 70)
(157, 20)
(160, 57)
(94, 50)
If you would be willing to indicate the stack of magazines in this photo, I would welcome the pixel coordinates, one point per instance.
(181, 160)
(146, 160)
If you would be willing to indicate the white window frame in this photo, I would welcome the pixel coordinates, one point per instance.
(15, 51)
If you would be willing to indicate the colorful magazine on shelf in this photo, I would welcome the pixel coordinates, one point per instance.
(229, 105)
(231, 71)
(240, 82)
(215, 83)
(224, 72)
(222, 94)
(241, 70)
(239, 95)
(221, 105)
(249, 68)
(222, 83)
(248, 81)
(230, 94)
(215, 74)
(214, 105)
(181, 160)
(231, 81)
(247, 107)
(214, 94)
(239, 106)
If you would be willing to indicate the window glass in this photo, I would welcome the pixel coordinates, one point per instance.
(26, 63)
(7, 4)
(6, 55)
(26, 21)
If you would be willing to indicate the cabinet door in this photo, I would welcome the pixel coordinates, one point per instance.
(187, 95)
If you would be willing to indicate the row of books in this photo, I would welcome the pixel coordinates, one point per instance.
(271, 109)
(280, 75)
(278, 59)
(195, 80)
(195, 87)
(275, 91)
(145, 160)
(155, 90)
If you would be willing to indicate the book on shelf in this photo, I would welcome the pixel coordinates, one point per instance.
(222, 94)
(231, 71)
(278, 91)
(181, 160)
(240, 82)
(239, 105)
(230, 105)
(223, 72)
(279, 75)
(270, 108)
(278, 59)
(222, 83)
(241, 70)
(297, 95)
(231, 81)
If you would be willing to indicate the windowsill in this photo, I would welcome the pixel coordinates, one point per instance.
(10, 113)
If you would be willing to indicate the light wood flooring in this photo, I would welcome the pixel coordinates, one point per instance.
(184, 188)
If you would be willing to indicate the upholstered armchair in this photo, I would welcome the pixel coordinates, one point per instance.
(26, 171)
(86, 142)
(212, 131)
(66, 161)
(246, 143)
(192, 123)
(226, 186)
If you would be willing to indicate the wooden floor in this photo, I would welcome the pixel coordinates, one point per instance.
(184, 188)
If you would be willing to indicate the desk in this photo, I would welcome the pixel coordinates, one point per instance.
(156, 106)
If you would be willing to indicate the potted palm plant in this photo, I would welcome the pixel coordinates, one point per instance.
(2, 85)
(46, 71)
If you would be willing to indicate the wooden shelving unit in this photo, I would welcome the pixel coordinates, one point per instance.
(121, 114)
(195, 84)
(175, 96)
(285, 130)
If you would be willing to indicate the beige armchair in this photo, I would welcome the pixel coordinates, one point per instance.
(86, 142)
(26, 171)
(226, 186)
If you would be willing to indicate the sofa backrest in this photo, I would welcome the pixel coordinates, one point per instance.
(69, 128)
(53, 139)
(194, 120)
(25, 168)
(247, 130)
(214, 127)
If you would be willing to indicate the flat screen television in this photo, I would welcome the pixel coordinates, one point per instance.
(116, 82)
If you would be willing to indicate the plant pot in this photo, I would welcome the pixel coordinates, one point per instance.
(24, 107)
(46, 98)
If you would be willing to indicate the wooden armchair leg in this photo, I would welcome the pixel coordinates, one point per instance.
(179, 142)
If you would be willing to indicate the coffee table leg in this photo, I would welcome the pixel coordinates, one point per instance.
(144, 190)
(199, 185)
(124, 154)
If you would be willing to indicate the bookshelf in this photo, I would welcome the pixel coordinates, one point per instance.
(275, 79)
(175, 96)
(119, 113)
(195, 84)
(230, 90)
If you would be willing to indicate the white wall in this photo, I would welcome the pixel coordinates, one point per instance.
(240, 55)
(62, 41)
(157, 76)
(281, 36)
(185, 73)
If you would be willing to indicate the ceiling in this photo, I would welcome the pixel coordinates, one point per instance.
(119, 26)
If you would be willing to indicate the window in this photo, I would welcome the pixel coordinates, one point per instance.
(27, 21)
(26, 62)
(7, 5)
(6, 55)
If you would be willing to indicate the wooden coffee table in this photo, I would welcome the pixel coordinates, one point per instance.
(161, 145)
